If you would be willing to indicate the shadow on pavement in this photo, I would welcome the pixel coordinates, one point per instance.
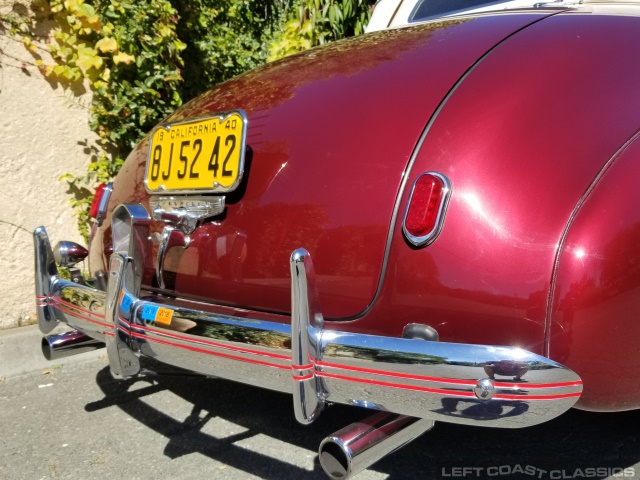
(576, 445)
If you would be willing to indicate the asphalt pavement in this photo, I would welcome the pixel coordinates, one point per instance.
(21, 352)
(70, 419)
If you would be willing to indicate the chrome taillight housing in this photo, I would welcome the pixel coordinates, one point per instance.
(426, 208)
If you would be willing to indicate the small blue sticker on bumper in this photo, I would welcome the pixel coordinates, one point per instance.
(125, 303)
(149, 313)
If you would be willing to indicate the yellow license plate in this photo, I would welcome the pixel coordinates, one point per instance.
(204, 155)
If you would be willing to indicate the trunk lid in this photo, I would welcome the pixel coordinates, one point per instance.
(329, 136)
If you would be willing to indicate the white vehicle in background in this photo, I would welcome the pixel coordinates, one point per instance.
(395, 13)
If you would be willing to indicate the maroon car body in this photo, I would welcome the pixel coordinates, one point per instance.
(533, 117)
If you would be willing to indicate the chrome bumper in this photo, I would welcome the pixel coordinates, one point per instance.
(441, 381)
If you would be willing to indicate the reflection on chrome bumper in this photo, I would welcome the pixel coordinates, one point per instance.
(448, 382)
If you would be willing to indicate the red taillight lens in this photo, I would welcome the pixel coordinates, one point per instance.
(93, 212)
(425, 212)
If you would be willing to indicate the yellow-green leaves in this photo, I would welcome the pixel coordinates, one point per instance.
(28, 43)
(123, 58)
(316, 22)
(107, 45)
(71, 4)
(297, 36)
(166, 31)
(81, 17)
(88, 58)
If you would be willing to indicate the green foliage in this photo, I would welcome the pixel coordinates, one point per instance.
(143, 58)
(225, 38)
(137, 72)
(129, 53)
(316, 22)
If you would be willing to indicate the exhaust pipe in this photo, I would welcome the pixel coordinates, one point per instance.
(359, 445)
(67, 344)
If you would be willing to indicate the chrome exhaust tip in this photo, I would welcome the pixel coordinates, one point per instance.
(67, 344)
(359, 445)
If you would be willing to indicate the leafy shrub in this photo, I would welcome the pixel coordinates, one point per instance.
(225, 38)
(316, 22)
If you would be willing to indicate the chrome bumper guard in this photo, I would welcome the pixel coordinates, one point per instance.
(441, 381)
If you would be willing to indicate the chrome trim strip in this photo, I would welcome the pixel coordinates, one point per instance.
(430, 237)
(461, 383)
(216, 187)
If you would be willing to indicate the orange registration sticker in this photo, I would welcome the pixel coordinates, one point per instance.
(163, 315)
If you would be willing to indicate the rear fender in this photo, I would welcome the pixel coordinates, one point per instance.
(593, 318)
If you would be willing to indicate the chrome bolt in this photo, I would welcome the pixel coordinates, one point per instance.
(485, 389)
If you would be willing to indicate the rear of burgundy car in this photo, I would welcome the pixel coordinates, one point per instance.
(364, 156)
